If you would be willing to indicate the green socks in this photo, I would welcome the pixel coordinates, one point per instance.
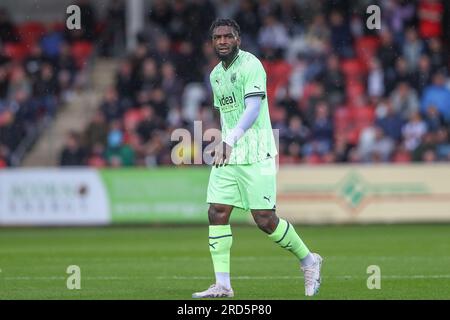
(286, 237)
(220, 240)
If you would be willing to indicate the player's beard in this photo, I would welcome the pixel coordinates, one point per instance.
(229, 56)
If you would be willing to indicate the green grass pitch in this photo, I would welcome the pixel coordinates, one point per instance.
(172, 262)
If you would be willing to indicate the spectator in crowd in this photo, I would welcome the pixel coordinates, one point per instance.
(111, 106)
(422, 77)
(117, 153)
(321, 131)
(113, 37)
(126, 84)
(387, 53)
(33, 63)
(73, 153)
(434, 119)
(404, 100)
(389, 120)
(438, 58)
(413, 48)
(431, 15)
(19, 82)
(161, 14)
(437, 94)
(171, 85)
(317, 35)
(341, 37)
(292, 155)
(443, 144)
(7, 27)
(375, 80)
(96, 132)
(46, 89)
(249, 23)
(296, 132)
(413, 131)
(97, 157)
(273, 37)
(374, 145)
(422, 152)
(51, 42)
(334, 81)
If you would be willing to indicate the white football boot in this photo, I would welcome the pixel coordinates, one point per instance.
(312, 276)
(214, 291)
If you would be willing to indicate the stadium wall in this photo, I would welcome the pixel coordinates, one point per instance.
(306, 194)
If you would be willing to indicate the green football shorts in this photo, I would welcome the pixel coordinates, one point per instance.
(247, 186)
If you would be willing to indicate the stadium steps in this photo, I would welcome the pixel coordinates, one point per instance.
(74, 116)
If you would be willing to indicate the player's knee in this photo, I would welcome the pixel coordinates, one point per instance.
(217, 214)
(266, 222)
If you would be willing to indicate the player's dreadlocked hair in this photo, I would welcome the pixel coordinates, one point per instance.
(225, 22)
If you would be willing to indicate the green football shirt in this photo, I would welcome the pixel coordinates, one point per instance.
(244, 77)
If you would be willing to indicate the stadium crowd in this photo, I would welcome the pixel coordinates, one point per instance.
(40, 67)
(338, 91)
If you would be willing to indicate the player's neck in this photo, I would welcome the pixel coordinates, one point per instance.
(227, 62)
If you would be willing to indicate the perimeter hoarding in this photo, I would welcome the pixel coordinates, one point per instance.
(163, 195)
(306, 194)
(365, 193)
(52, 197)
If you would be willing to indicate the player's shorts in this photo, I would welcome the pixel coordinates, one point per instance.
(247, 186)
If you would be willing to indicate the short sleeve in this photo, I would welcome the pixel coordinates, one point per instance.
(255, 80)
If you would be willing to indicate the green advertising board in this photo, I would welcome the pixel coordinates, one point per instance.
(165, 195)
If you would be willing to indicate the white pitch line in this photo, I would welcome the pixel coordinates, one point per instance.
(344, 277)
(262, 257)
(62, 278)
(419, 276)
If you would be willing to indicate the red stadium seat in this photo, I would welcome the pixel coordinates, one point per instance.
(31, 32)
(15, 51)
(342, 118)
(366, 47)
(132, 118)
(278, 73)
(353, 135)
(81, 52)
(354, 90)
(58, 26)
(352, 68)
(363, 116)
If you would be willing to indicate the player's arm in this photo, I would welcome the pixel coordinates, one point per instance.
(246, 121)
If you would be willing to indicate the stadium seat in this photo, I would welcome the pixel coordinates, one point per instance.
(31, 32)
(342, 118)
(58, 26)
(15, 51)
(354, 90)
(132, 118)
(352, 68)
(278, 74)
(366, 47)
(363, 116)
(81, 52)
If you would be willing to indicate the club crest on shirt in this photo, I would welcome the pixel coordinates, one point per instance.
(233, 77)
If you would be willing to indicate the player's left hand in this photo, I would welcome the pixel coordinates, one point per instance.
(222, 154)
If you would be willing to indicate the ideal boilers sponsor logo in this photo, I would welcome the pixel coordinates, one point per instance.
(53, 197)
(227, 103)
